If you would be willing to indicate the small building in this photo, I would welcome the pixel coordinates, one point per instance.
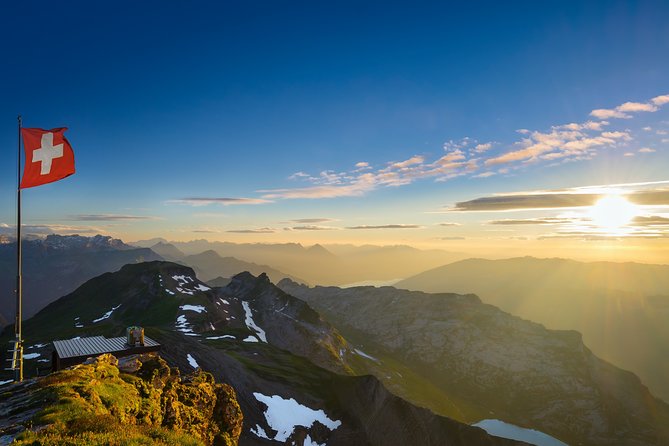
(75, 351)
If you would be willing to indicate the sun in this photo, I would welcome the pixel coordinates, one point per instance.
(612, 212)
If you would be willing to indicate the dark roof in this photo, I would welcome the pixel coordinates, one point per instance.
(96, 345)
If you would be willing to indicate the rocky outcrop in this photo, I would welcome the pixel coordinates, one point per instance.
(95, 402)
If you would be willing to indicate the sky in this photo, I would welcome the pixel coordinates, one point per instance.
(492, 128)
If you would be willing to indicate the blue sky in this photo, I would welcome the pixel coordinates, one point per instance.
(232, 99)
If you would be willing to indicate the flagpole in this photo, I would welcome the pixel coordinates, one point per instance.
(18, 345)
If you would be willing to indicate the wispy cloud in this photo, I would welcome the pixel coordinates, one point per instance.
(532, 221)
(253, 231)
(465, 157)
(449, 223)
(313, 228)
(110, 217)
(226, 201)
(648, 194)
(623, 110)
(396, 226)
(49, 229)
(312, 220)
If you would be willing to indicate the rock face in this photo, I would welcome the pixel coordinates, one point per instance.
(485, 360)
(94, 403)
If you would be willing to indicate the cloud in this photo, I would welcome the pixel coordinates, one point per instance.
(397, 226)
(485, 175)
(205, 231)
(416, 159)
(298, 175)
(559, 143)
(533, 221)
(452, 238)
(661, 100)
(49, 229)
(364, 183)
(628, 154)
(646, 150)
(526, 202)
(313, 228)
(575, 141)
(646, 194)
(636, 107)
(480, 148)
(225, 201)
(622, 111)
(110, 217)
(651, 220)
(312, 220)
(603, 113)
(253, 231)
(449, 223)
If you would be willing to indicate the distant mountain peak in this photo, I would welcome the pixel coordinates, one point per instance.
(95, 243)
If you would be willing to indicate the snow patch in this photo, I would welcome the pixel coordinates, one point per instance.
(38, 345)
(309, 442)
(183, 325)
(225, 301)
(258, 431)
(182, 279)
(365, 355)
(170, 292)
(201, 287)
(506, 430)
(106, 315)
(196, 308)
(221, 337)
(283, 415)
(250, 323)
(193, 363)
(31, 356)
(2, 383)
(251, 339)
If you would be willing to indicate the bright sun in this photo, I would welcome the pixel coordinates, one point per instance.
(613, 212)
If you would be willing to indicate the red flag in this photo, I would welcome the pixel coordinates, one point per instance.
(49, 156)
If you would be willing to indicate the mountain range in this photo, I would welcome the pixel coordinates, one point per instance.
(279, 355)
(622, 309)
(321, 264)
(57, 265)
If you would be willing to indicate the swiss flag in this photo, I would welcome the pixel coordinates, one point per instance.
(49, 156)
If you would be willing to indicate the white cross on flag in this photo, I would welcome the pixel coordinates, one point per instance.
(49, 156)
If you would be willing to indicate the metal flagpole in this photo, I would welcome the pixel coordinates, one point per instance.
(18, 343)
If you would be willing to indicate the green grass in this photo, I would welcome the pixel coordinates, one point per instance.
(95, 404)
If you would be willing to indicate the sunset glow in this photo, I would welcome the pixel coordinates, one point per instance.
(613, 212)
